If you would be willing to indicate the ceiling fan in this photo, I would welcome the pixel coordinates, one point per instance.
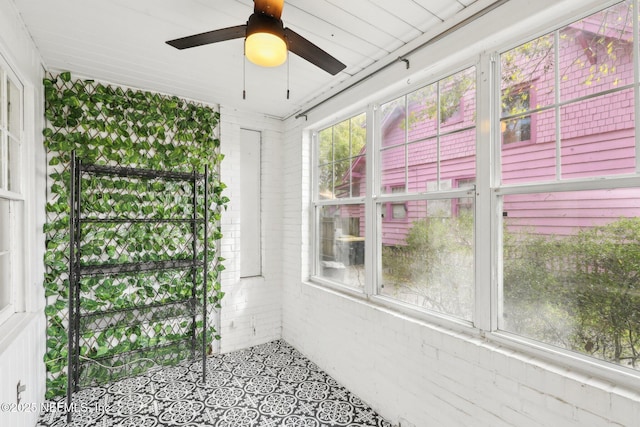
(266, 39)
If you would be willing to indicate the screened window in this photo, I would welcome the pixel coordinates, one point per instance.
(570, 247)
(340, 213)
(527, 226)
(341, 159)
(427, 259)
(10, 189)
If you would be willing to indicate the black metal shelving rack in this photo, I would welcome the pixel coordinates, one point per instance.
(189, 308)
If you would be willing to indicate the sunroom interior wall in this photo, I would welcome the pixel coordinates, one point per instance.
(252, 306)
(411, 371)
(22, 342)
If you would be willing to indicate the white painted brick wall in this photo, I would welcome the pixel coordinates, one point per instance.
(402, 375)
(22, 338)
(251, 308)
(420, 374)
(21, 360)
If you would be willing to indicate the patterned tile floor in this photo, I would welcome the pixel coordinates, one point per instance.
(270, 385)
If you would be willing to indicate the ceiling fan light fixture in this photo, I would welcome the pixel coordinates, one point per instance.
(265, 49)
(265, 44)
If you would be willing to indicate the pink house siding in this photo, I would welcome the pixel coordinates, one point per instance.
(563, 213)
(597, 138)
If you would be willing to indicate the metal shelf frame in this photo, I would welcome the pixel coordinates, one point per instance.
(82, 321)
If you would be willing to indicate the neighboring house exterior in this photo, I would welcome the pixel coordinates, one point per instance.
(596, 136)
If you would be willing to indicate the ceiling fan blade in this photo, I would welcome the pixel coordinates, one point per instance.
(268, 7)
(209, 37)
(312, 53)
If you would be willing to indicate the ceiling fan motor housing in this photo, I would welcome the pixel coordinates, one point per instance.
(261, 23)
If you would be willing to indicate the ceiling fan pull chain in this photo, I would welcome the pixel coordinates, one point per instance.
(244, 74)
(288, 74)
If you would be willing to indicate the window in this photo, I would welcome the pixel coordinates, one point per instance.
(539, 242)
(341, 178)
(570, 243)
(418, 267)
(415, 155)
(515, 124)
(396, 211)
(10, 190)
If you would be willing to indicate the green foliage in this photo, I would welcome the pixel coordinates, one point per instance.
(536, 301)
(339, 147)
(110, 125)
(607, 290)
(580, 292)
(439, 101)
(435, 265)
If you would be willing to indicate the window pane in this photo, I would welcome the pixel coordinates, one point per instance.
(596, 132)
(516, 120)
(529, 68)
(3, 82)
(457, 100)
(325, 181)
(349, 178)
(394, 122)
(341, 244)
(423, 113)
(423, 164)
(598, 136)
(358, 134)
(393, 168)
(5, 267)
(13, 161)
(341, 141)
(533, 160)
(570, 271)
(596, 53)
(14, 107)
(325, 141)
(3, 160)
(428, 260)
(341, 159)
(457, 155)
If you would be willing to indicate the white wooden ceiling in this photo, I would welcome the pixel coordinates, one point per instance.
(122, 41)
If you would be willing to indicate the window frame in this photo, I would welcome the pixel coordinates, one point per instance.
(388, 215)
(489, 191)
(13, 197)
(562, 357)
(318, 203)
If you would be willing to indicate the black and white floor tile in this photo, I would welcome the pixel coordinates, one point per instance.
(270, 385)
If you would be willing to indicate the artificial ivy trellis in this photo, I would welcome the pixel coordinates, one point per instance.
(110, 125)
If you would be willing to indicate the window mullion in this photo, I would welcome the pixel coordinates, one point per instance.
(314, 216)
(556, 60)
(482, 224)
(4, 139)
(372, 257)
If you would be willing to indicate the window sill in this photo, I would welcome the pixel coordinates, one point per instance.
(565, 361)
(599, 373)
(11, 329)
